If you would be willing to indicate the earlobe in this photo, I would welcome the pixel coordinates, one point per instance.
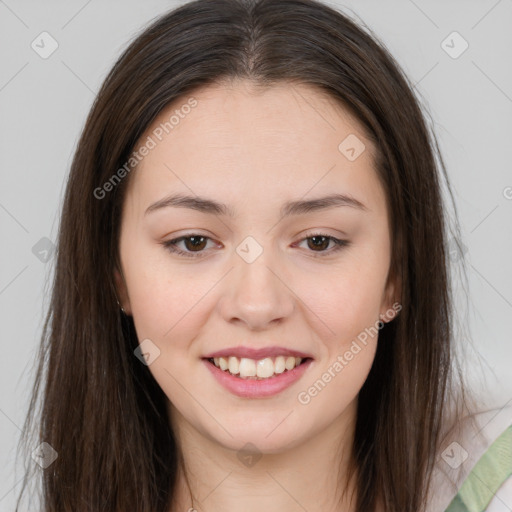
(122, 292)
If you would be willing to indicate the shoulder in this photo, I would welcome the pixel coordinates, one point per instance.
(502, 501)
(474, 466)
(486, 486)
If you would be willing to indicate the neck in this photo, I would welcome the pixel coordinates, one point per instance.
(313, 475)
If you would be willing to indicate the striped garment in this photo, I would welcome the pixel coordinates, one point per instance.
(488, 487)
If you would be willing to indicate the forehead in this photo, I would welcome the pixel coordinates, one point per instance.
(238, 136)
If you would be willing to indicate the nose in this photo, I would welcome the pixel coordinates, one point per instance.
(256, 294)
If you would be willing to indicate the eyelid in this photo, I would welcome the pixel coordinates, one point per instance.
(339, 243)
(321, 232)
(170, 245)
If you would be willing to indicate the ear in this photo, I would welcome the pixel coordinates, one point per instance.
(391, 301)
(122, 291)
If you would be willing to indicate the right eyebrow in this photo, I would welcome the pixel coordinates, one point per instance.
(299, 207)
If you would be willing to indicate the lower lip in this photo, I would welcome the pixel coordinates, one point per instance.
(253, 388)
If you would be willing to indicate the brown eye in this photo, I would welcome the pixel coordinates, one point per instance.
(318, 242)
(194, 243)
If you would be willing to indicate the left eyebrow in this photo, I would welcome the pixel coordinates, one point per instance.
(300, 207)
(322, 203)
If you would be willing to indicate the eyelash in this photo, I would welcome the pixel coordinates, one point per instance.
(170, 245)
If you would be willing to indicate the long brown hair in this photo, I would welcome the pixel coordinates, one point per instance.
(102, 411)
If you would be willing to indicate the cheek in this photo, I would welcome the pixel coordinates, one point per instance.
(166, 304)
(349, 306)
(347, 355)
(169, 311)
(346, 300)
(334, 386)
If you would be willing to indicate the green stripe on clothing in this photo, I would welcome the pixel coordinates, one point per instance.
(488, 475)
(457, 505)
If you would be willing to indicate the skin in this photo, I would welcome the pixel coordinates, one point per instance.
(254, 150)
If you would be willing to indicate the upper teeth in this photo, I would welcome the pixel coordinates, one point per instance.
(262, 368)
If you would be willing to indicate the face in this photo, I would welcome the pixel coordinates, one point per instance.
(263, 273)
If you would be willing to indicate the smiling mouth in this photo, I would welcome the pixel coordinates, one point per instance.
(262, 369)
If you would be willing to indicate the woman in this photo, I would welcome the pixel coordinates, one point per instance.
(252, 287)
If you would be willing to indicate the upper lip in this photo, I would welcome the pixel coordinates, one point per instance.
(257, 353)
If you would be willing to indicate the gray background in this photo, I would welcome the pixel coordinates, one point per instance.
(44, 103)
